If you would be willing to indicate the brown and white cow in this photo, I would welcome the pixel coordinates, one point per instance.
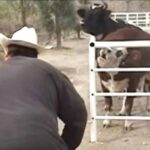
(97, 21)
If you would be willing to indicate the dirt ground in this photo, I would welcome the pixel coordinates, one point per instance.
(74, 63)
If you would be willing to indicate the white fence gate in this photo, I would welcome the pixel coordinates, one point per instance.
(139, 19)
(93, 93)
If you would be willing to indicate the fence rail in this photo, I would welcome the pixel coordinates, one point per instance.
(121, 69)
(93, 93)
(140, 19)
(129, 44)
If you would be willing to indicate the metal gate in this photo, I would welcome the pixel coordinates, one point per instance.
(92, 87)
(140, 19)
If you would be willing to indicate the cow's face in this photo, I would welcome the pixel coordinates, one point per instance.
(93, 19)
(111, 57)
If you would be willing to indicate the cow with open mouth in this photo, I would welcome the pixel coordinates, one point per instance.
(97, 21)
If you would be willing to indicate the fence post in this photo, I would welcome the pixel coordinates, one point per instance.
(92, 82)
(93, 130)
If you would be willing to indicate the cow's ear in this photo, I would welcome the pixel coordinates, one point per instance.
(81, 12)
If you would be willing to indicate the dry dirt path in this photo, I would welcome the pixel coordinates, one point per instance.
(74, 63)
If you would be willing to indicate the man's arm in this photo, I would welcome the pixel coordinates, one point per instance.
(73, 113)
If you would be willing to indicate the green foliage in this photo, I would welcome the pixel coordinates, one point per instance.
(8, 16)
(45, 14)
(57, 16)
(11, 14)
(83, 1)
(63, 9)
(41, 14)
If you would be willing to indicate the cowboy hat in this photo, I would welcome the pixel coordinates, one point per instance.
(24, 37)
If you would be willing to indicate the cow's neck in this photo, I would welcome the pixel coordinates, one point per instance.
(111, 26)
(108, 27)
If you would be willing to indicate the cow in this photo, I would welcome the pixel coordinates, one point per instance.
(98, 22)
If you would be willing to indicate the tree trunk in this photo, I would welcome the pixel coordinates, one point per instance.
(58, 31)
(23, 12)
(78, 34)
(78, 30)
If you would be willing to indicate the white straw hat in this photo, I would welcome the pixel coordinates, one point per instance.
(24, 37)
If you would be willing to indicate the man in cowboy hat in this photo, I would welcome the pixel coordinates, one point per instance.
(32, 95)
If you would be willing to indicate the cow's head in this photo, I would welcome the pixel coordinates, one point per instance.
(93, 19)
(111, 57)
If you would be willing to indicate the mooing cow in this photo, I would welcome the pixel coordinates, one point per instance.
(97, 21)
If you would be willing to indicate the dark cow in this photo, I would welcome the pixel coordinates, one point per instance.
(97, 21)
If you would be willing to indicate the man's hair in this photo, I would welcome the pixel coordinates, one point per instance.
(17, 50)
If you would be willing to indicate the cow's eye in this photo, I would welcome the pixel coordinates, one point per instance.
(109, 51)
(119, 53)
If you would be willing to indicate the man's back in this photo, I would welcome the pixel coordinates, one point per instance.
(32, 95)
(29, 109)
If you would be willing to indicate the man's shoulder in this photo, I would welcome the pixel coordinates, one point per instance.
(46, 65)
(36, 64)
(52, 70)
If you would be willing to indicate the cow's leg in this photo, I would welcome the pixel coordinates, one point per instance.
(108, 105)
(108, 108)
(128, 108)
(123, 109)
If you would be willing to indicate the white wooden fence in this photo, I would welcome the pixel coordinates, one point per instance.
(92, 87)
(140, 19)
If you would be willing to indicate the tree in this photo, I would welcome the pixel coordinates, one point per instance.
(23, 12)
(9, 14)
(78, 26)
(20, 10)
(46, 17)
(57, 15)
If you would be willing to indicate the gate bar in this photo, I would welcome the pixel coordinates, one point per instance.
(95, 44)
